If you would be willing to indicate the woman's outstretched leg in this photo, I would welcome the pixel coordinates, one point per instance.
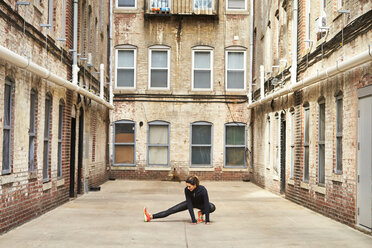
(175, 209)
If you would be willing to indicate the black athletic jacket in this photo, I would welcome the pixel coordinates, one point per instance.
(198, 198)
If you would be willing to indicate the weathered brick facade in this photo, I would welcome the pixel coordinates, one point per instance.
(24, 191)
(344, 36)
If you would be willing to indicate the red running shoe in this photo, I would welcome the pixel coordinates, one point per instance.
(146, 215)
(200, 217)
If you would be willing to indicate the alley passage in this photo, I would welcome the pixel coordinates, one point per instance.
(246, 216)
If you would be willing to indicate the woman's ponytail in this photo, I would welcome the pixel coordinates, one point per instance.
(193, 180)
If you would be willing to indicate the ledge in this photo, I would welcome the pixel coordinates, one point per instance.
(337, 178)
(61, 182)
(235, 169)
(120, 168)
(201, 169)
(32, 174)
(320, 189)
(47, 186)
(290, 181)
(7, 179)
(304, 185)
(154, 168)
(126, 11)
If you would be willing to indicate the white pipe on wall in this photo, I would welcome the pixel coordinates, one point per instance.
(357, 60)
(75, 68)
(40, 71)
(294, 42)
(111, 95)
(101, 80)
(262, 80)
(251, 55)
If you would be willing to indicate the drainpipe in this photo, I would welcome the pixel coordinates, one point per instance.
(348, 64)
(294, 42)
(101, 80)
(251, 56)
(110, 58)
(75, 68)
(26, 64)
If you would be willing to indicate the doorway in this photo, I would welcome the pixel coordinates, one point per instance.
(72, 157)
(80, 152)
(364, 156)
(282, 152)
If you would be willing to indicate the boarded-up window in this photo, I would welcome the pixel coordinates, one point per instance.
(235, 144)
(124, 143)
(158, 143)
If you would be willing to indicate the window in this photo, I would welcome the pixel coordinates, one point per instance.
(203, 4)
(339, 124)
(158, 143)
(202, 64)
(236, 4)
(46, 157)
(160, 4)
(235, 145)
(60, 138)
(235, 70)
(306, 144)
(32, 131)
(291, 173)
(126, 68)
(7, 128)
(126, 4)
(159, 68)
(201, 144)
(124, 143)
(321, 143)
(277, 144)
(268, 138)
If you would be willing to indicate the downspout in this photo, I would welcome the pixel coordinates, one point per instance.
(75, 68)
(110, 56)
(251, 55)
(294, 42)
(101, 80)
(262, 81)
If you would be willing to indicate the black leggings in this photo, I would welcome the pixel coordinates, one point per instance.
(181, 207)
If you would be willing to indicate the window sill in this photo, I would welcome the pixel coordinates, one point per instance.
(242, 169)
(201, 169)
(61, 182)
(122, 167)
(290, 181)
(237, 12)
(119, 10)
(47, 186)
(7, 179)
(337, 178)
(158, 168)
(304, 185)
(320, 189)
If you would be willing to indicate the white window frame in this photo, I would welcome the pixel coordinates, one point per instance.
(161, 49)
(7, 169)
(121, 7)
(204, 8)
(202, 49)
(61, 108)
(245, 6)
(47, 138)
(268, 138)
(201, 123)
(124, 144)
(277, 145)
(157, 123)
(306, 145)
(235, 146)
(126, 48)
(32, 131)
(236, 50)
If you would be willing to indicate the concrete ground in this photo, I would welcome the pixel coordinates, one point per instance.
(246, 216)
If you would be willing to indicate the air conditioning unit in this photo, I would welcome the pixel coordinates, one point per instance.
(322, 24)
(89, 60)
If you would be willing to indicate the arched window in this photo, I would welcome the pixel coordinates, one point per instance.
(124, 143)
(7, 128)
(321, 141)
(306, 142)
(32, 131)
(339, 125)
(126, 66)
(292, 116)
(47, 128)
(235, 145)
(158, 143)
(60, 137)
(201, 144)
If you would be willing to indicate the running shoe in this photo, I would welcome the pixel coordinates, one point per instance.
(200, 217)
(146, 215)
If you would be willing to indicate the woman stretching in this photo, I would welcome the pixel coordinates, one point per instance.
(196, 197)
